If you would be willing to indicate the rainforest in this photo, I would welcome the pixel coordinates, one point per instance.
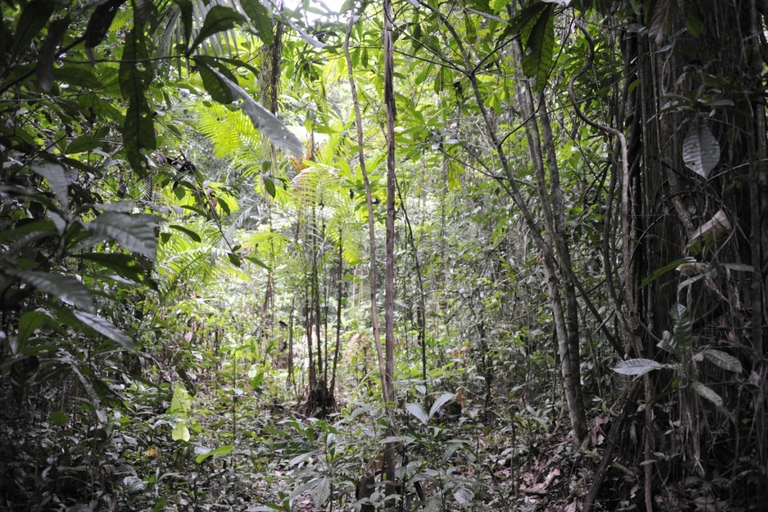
(392, 255)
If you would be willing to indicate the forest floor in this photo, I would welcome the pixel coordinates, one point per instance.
(233, 447)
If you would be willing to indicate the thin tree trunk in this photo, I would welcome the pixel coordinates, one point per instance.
(389, 316)
(338, 313)
(420, 315)
(369, 202)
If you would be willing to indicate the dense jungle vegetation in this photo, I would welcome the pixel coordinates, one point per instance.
(403, 255)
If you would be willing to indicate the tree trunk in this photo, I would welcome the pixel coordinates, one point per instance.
(389, 102)
(709, 53)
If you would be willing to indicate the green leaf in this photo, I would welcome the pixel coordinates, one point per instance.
(181, 403)
(444, 399)
(668, 343)
(59, 418)
(701, 152)
(57, 179)
(221, 450)
(218, 19)
(463, 496)
(707, 393)
(270, 186)
(186, 9)
(191, 234)
(105, 328)
(663, 270)
(539, 47)
(180, 431)
(124, 264)
(95, 400)
(398, 439)
(49, 52)
(29, 323)
(136, 74)
(260, 19)
(82, 144)
(723, 360)
(682, 325)
(31, 21)
(418, 412)
(213, 86)
(264, 120)
(257, 261)
(100, 21)
(68, 289)
(133, 232)
(637, 367)
(739, 267)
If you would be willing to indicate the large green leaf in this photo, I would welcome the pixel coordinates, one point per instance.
(221, 450)
(133, 232)
(124, 264)
(264, 120)
(539, 47)
(49, 52)
(32, 20)
(29, 323)
(260, 19)
(707, 393)
(66, 288)
(441, 401)
(418, 412)
(105, 328)
(637, 367)
(100, 21)
(135, 76)
(723, 360)
(682, 325)
(218, 19)
(57, 180)
(701, 152)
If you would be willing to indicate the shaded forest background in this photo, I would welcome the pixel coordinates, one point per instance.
(502, 255)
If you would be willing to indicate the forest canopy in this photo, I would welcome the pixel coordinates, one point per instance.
(405, 255)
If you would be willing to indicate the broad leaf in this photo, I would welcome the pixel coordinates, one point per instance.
(135, 76)
(463, 496)
(49, 52)
(29, 323)
(32, 20)
(701, 152)
(82, 144)
(181, 403)
(100, 21)
(133, 232)
(682, 325)
(637, 367)
(668, 343)
(105, 328)
(124, 264)
(707, 393)
(260, 19)
(180, 431)
(218, 19)
(68, 289)
(444, 399)
(95, 400)
(723, 360)
(539, 47)
(57, 179)
(264, 120)
(221, 450)
(191, 234)
(663, 270)
(418, 412)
